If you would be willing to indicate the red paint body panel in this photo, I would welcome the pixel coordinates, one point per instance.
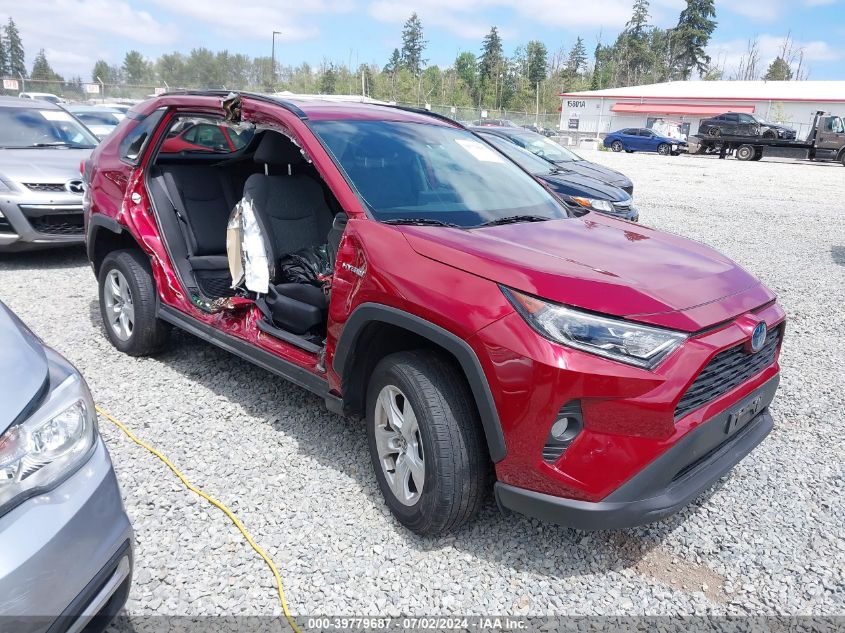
(451, 278)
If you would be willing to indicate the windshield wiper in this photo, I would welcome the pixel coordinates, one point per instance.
(514, 219)
(421, 222)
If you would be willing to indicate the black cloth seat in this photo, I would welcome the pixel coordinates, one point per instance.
(293, 214)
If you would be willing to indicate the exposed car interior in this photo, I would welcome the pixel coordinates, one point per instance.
(195, 189)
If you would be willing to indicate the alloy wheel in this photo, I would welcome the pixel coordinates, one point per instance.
(399, 445)
(120, 310)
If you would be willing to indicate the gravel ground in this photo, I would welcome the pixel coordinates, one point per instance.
(768, 539)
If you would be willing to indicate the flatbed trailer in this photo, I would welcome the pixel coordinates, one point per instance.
(825, 142)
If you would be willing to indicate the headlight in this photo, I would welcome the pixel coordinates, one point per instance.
(627, 342)
(593, 203)
(39, 452)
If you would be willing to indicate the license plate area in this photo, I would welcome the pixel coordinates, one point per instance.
(743, 414)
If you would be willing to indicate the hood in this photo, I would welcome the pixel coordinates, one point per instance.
(23, 365)
(593, 170)
(602, 264)
(574, 184)
(41, 165)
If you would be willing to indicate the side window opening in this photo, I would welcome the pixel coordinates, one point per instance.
(135, 141)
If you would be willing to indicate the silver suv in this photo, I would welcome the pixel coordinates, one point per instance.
(65, 540)
(41, 149)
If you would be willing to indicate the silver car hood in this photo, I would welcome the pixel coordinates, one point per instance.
(23, 366)
(47, 165)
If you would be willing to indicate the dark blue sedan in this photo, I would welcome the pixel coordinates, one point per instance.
(640, 139)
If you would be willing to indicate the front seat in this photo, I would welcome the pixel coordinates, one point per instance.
(292, 212)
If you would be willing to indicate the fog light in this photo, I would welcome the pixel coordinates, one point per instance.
(563, 431)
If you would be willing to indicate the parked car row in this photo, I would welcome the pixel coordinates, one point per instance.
(601, 373)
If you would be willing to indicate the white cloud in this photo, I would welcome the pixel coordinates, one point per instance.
(462, 17)
(259, 18)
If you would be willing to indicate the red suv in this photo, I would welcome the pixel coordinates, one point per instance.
(393, 263)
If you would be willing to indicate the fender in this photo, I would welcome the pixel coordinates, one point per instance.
(368, 312)
(97, 221)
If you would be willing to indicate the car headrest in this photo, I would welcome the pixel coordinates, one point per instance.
(277, 149)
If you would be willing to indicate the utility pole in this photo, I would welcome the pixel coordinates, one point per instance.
(273, 58)
(537, 108)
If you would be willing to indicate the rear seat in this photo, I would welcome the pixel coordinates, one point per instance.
(203, 197)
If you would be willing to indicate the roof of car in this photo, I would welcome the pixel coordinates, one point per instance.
(314, 109)
(12, 102)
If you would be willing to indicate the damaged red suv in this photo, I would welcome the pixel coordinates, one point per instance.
(393, 263)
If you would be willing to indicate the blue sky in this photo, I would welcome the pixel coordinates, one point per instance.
(77, 32)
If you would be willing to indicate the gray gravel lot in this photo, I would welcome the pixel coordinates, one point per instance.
(769, 539)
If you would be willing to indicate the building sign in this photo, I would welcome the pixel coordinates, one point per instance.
(159, 91)
(576, 103)
(92, 89)
(573, 123)
(484, 114)
(10, 84)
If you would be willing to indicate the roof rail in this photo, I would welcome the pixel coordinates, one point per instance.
(287, 105)
(436, 115)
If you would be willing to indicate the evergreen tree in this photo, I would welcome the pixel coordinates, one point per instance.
(14, 50)
(537, 56)
(328, 80)
(41, 68)
(103, 71)
(490, 68)
(135, 68)
(690, 38)
(639, 20)
(413, 45)
(577, 59)
(778, 70)
(4, 60)
(394, 63)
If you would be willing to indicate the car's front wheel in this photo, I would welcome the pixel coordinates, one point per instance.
(128, 304)
(663, 149)
(617, 146)
(425, 442)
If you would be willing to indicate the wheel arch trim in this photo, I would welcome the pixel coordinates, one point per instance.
(368, 313)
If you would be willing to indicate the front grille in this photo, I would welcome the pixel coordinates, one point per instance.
(62, 224)
(45, 186)
(728, 369)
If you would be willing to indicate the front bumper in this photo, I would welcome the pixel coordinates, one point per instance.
(66, 555)
(666, 485)
(39, 223)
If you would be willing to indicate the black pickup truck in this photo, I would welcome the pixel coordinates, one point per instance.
(825, 142)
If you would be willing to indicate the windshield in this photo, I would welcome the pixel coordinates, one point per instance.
(89, 117)
(525, 159)
(32, 127)
(407, 171)
(545, 148)
(416, 171)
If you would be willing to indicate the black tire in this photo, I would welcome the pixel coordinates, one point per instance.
(663, 149)
(617, 146)
(745, 152)
(714, 132)
(629, 151)
(457, 466)
(149, 333)
(770, 134)
(758, 154)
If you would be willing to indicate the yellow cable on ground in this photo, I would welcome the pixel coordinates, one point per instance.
(215, 503)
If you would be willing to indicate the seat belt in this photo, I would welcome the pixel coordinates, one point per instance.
(178, 208)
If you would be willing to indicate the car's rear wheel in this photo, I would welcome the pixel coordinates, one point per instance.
(425, 442)
(663, 149)
(128, 304)
(714, 131)
(745, 152)
(617, 146)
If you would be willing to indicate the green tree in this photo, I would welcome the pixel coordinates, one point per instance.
(328, 82)
(690, 38)
(779, 70)
(490, 69)
(101, 71)
(537, 57)
(577, 59)
(170, 69)
(136, 70)
(14, 50)
(203, 70)
(4, 59)
(41, 68)
(413, 45)
(394, 62)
